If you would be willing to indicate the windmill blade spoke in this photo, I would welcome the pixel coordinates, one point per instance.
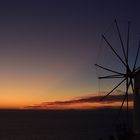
(127, 104)
(113, 89)
(114, 50)
(108, 69)
(134, 68)
(124, 98)
(132, 85)
(127, 51)
(111, 76)
(120, 110)
(120, 37)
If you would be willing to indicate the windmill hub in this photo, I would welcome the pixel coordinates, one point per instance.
(130, 75)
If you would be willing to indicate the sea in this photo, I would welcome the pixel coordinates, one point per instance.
(59, 124)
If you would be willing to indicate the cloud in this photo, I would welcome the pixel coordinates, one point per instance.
(82, 102)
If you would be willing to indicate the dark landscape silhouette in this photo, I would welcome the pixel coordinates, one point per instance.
(57, 124)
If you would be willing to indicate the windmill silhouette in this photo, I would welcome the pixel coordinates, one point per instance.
(130, 76)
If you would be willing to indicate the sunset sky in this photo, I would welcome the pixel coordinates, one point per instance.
(48, 48)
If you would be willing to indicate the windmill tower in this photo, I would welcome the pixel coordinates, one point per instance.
(131, 78)
(136, 116)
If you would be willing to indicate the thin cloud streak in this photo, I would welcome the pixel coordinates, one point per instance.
(85, 103)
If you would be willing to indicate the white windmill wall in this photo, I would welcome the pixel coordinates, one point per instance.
(136, 117)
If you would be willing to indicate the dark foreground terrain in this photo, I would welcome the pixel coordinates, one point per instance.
(56, 125)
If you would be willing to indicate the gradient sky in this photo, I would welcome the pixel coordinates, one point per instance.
(48, 48)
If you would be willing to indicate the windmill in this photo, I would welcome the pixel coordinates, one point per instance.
(131, 75)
